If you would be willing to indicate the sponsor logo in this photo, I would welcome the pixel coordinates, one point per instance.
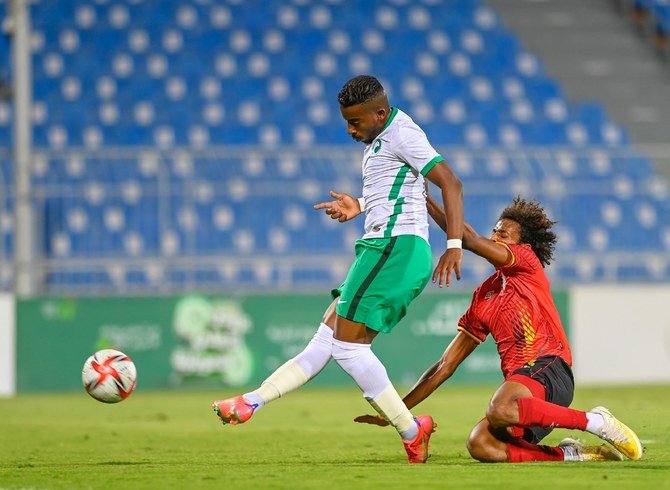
(213, 346)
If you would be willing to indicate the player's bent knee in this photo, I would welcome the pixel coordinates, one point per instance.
(482, 451)
(475, 449)
(484, 446)
(500, 414)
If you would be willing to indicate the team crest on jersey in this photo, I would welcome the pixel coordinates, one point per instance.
(377, 147)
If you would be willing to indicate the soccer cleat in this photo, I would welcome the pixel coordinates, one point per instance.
(592, 453)
(417, 450)
(233, 411)
(619, 434)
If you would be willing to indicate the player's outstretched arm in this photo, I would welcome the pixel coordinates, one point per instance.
(459, 348)
(498, 254)
(343, 209)
(452, 195)
(494, 252)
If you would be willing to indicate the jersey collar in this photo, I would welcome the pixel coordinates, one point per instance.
(394, 111)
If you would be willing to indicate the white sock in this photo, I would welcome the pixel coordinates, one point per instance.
(318, 352)
(570, 453)
(390, 406)
(369, 373)
(594, 421)
(297, 371)
(254, 399)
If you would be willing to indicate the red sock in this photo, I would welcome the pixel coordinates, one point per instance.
(534, 412)
(520, 451)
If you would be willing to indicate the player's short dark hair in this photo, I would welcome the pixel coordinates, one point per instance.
(535, 227)
(359, 90)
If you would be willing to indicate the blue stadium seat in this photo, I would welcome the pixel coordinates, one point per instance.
(444, 42)
(126, 118)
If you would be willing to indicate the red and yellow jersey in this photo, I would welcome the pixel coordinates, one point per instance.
(515, 306)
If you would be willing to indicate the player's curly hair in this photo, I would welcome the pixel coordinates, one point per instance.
(535, 227)
(359, 90)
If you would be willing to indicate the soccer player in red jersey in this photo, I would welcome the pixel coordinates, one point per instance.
(515, 306)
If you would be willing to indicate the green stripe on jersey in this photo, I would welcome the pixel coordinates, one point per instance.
(397, 183)
(395, 192)
(429, 166)
(397, 209)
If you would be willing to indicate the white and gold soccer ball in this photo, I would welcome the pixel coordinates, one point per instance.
(109, 376)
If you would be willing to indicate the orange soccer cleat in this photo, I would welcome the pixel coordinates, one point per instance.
(417, 450)
(233, 411)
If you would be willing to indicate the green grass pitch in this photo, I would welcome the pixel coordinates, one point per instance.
(306, 440)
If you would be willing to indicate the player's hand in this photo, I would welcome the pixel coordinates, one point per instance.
(372, 420)
(449, 262)
(343, 209)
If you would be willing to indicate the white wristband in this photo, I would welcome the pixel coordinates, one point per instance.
(454, 243)
(361, 203)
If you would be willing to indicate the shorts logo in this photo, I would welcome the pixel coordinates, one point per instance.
(377, 147)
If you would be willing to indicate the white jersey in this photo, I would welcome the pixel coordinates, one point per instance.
(394, 165)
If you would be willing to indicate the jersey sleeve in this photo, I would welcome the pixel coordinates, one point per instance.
(523, 260)
(414, 149)
(470, 325)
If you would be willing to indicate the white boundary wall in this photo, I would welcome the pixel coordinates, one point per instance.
(7, 345)
(621, 334)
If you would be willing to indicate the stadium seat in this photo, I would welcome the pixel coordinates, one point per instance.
(147, 151)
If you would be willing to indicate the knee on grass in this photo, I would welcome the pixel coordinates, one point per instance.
(482, 450)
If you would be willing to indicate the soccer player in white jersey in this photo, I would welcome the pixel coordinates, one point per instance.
(393, 263)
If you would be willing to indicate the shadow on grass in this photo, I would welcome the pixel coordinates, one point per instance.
(125, 463)
(101, 463)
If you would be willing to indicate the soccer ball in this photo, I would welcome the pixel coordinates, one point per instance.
(109, 376)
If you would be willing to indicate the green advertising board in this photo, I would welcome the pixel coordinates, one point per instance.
(225, 341)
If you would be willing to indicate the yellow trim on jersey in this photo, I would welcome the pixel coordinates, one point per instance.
(512, 261)
(472, 336)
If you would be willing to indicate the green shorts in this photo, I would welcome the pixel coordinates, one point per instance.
(386, 276)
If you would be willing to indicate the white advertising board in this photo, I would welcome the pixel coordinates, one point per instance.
(7, 345)
(621, 334)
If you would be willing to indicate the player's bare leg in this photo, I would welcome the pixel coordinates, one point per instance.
(491, 441)
(488, 444)
(503, 410)
(351, 350)
(513, 404)
(291, 375)
(496, 445)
